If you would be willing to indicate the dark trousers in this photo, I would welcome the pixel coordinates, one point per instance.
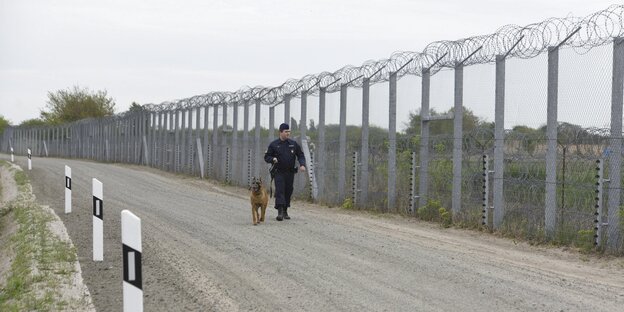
(283, 188)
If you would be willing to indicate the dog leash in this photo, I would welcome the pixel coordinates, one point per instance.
(272, 173)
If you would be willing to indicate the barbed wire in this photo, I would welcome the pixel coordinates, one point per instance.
(581, 34)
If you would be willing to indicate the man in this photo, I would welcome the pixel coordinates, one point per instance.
(282, 153)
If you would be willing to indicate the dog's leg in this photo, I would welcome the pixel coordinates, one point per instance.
(254, 214)
(264, 205)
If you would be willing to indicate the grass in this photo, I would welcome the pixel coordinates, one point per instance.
(41, 260)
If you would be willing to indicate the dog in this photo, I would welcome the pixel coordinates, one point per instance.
(259, 199)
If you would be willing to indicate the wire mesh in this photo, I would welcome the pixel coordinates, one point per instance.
(585, 72)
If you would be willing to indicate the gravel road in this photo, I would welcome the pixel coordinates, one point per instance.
(201, 253)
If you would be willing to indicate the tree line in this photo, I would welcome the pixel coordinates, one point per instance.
(72, 104)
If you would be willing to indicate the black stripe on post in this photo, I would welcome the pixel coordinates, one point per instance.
(29, 156)
(98, 212)
(68, 183)
(133, 277)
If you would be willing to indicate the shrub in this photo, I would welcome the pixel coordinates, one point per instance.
(446, 217)
(348, 203)
(429, 212)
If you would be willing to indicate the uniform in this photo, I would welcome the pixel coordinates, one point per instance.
(286, 152)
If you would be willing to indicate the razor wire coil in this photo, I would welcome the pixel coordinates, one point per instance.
(528, 41)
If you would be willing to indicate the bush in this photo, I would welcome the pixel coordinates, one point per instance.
(348, 203)
(429, 212)
(446, 217)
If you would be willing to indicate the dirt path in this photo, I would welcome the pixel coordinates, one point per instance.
(200, 252)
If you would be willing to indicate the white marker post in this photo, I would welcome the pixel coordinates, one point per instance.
(68, 182)
(98, 221)
(12, 157)
(29, 160)
(132, 272)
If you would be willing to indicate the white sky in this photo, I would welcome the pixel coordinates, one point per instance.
(159, 50)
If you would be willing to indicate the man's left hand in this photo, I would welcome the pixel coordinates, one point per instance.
(302, 168)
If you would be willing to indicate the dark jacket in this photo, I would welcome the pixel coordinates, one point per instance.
(285, 152)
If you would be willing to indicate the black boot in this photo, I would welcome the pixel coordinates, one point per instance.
(286, 213)
(280, 213)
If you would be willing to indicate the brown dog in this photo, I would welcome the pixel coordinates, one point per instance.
(259, 199)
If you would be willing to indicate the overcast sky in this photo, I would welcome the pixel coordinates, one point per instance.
(160, 50)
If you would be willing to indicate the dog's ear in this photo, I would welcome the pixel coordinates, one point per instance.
(260, 179)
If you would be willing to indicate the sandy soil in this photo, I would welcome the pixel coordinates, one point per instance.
(200, 252)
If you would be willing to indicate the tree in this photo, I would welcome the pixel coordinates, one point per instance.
(3, 124)
(136, 108)
(444, 126)
(33, 122)
(312, 126)
(293, 125)
(75, 104)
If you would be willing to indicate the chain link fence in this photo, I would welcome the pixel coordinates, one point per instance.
(543, 160)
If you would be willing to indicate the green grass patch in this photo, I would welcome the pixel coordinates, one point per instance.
(41, 259)
(20, 178)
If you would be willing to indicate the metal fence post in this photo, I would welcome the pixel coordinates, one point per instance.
(124, 141)
(134, 123)
(551, 152)
(271, 124)
(342, 150)
(163, 140)
(184, 142)
(176, 145)
(246, 164)
(190, 147)
(167, 141)
(287, 109)
(206, 143)
(424, 138)
(159, 139)
(215, 142)
(365, 136)
(320, 164)
(614, 232)
(257, 149)
(235, 166)
(152, 142)
(392, 193)
(458, 138)
(224, 143)
(304, 114)
(499, 142)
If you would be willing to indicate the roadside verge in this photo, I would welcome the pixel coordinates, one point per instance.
(39, 269)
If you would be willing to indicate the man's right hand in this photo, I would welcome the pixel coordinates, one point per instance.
(274, 160)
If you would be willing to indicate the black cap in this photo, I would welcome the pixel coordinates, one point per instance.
(283, 127)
